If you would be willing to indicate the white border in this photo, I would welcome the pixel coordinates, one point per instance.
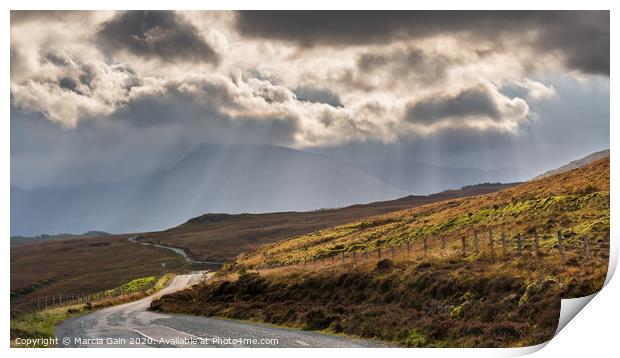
(593, 332)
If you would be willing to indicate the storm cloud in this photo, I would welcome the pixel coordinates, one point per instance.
(481, 102)
(580, 37)
(161, 34)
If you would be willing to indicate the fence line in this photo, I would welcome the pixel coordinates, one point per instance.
(520, 245)
(72, 299)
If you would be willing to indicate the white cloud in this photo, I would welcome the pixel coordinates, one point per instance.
(61, 73)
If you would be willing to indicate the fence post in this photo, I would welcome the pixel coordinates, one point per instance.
(560, 244)
(38, 303)
(425, 246)
(408, 248)
(536, 243)
(491, 245)
(476, 243)
(343, 257)
(519, 246)
(378, 252)
(504, 249)
(586, 246)
(354, 258)
(464, 242)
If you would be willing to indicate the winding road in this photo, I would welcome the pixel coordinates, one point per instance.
(132, 325)
(176, 250)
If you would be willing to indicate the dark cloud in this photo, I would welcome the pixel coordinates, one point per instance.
(412, 65)
(162, 34)
(317, 95)
(471, 102)
(57, 59)
(68, 84)
(22, 16)
(582, 37)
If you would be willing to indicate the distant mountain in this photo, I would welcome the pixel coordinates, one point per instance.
(233, 179)
(212, 178)
(576, 163)
(18, 240)
(423, 178)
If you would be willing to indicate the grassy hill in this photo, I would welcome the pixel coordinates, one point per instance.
(575, 203)
(82, 265)
(437, 301)
(221, 237)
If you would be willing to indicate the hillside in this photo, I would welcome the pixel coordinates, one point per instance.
(18, 240)
(59, 266)
(576, 163)
(574, 202)
(221, 237)
(83, 265)
(443, 299)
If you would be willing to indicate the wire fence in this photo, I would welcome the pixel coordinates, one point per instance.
(72, 299)
(478, 245)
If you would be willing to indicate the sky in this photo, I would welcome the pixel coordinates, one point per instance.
(102, 96)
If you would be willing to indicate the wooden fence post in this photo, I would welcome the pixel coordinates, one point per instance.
(476, 243)
(504, 249)
(379, 253)
(425, 247)
(343, 257)
(519, 246)
(536, 243)
(464, 242)
(560, 244)
(586, 246)
(408, 248)
(38, 303)
(491, 245)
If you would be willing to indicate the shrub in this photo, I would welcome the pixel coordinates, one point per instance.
(384, 264)
(316, 320)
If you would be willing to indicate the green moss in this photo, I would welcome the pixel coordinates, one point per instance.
(576, 214)
(415, 339)
(136, 285)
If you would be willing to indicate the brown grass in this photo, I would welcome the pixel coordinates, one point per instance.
(575, 203)
(82, 266)
(221, 237)
(439, 302)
